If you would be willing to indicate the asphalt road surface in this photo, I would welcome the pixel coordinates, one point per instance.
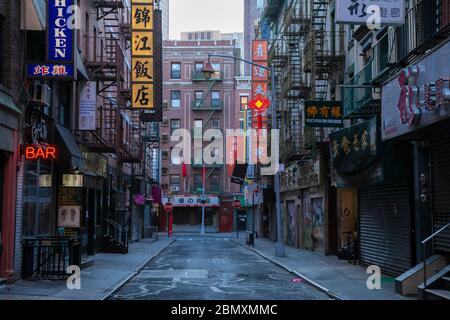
(196, 268)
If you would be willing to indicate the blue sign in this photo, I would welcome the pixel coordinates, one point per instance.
(60, 30)
(49, 70)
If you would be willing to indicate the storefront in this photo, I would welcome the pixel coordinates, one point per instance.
(372, 180)
(313, 186)
(53, 179)
(9, 152)
(187, 213)
(415, 108)
(94, 186)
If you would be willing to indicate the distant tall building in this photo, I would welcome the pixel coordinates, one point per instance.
(164, 7)
(201, 35)
(252, 12)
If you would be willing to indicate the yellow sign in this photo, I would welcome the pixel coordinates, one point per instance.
(142, 69)
(142, 17)
(142, 1)
(142, 95)
(142, 43)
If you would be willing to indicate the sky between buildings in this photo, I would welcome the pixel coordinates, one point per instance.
(196, 15)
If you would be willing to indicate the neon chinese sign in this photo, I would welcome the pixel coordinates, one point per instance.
(40, 152)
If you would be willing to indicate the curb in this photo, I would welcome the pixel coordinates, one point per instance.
(136, 272)
(312, 283)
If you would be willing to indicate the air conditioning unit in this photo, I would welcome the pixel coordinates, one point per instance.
(164, 137)
(175, 188)
(41, 94)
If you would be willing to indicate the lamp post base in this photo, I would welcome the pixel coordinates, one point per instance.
(202, 231)
(280, 250)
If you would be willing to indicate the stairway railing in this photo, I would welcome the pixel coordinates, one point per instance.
(117, 232)
(424, 256)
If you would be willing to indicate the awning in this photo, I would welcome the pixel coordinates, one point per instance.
(80, 66)
(76, 157)
(7, 101)
(34, 16)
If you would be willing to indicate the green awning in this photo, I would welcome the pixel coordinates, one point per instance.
(7, 101)
(77, 159)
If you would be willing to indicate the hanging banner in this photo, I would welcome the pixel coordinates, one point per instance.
(387, 12)
(88, 105)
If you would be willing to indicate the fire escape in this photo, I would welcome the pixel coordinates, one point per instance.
(118, 127)
(323, 55)
(295, 83)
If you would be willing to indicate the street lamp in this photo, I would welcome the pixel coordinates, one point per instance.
(208, 71)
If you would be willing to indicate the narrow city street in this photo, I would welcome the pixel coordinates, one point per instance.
(214, 268)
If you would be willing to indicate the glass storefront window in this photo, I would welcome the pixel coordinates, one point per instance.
(37, 200)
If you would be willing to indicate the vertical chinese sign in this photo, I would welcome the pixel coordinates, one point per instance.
(260, 76)
(60, 42)
(142, 55)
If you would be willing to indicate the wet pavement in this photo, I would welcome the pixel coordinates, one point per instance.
(207, 268)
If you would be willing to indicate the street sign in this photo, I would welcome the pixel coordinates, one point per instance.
(237, 204)
(168, 207)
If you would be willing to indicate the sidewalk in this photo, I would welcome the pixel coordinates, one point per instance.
(337, 278)
(108, 273)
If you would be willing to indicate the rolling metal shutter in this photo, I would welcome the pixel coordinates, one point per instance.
(440, 155)
(384, 232)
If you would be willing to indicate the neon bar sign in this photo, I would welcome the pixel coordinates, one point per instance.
(39, 152)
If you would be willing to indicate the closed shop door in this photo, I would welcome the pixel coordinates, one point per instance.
(292, 222)
(440, 154)
(385, 227)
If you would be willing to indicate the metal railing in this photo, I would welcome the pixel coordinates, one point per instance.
(212, 104)
(48, 258)
(424, 256)
(200, 76)
(360, 97)
(116, 232)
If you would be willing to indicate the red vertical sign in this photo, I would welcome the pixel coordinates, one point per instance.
(260, 78)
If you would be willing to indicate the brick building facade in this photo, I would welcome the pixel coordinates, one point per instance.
(195, 104)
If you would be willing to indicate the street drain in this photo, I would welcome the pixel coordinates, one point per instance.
(169, 274)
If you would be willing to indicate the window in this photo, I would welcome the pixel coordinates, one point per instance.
(215, 99)
(175, 71)
(175, 97)
(241, 124)
(174, 125)
(175, 180)
(215, 183)
(174, 158)
(216, 66)
(244, 103)
(198, 181)
(198, 98)
(198, 67)
(215, 123)
(198, 124)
